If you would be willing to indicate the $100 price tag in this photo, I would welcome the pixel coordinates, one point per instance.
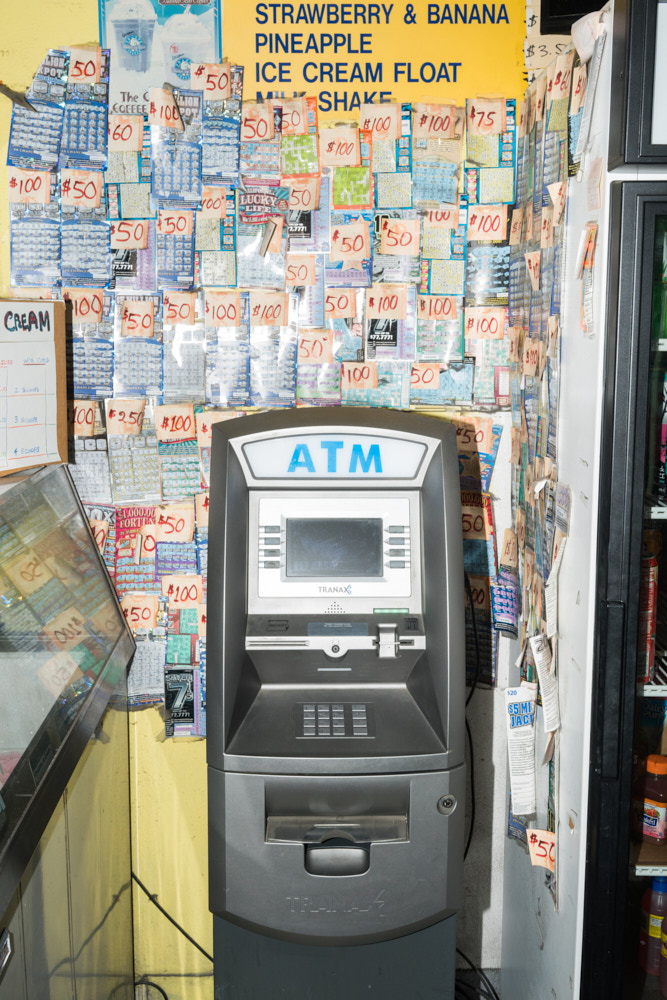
(487, 222)
(434, 121)
(383, 120)
(183, 591)
(87, 304)
(436, 307)
(222, 308)
(386, 301)
(83, 417)
(29, 187)
(339, 147)
(163, 110)
(358, 375)
(175, 422)
(485, 322)
(268, 308)
(213, 203)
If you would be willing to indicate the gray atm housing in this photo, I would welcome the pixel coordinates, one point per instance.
(351, 834)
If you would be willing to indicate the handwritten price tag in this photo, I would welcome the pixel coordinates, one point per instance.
(383, 120)
(436, 307)
(202, 505)
(182, 591)
(533, 264)
(340, 303)
(175, 522)
(474, 522)
(213, 203)
(443, 218)
(222, 308)
(214, 79)
(257, 122)
(434, 121)
(425, 375)
(315, 347)
(579, 80)
(100, 531)
(304, 193)
(531, 355)
(350, 241)
(515, 446)
(175, 422)
(85, 65)
(300, 270)
(268, 308)
(540, 94)
(355, 375)
(474, 434)
(57, 672)
(201, 620)
(140, 610)
(87, 304)
(204, 424)
(481, 592)
(163, 110)
(509, 552)
(400, 237)
(171, 222)
(145, 543)
(81, 188)
(67, 629)
(484, 322)
(339, 147)
(83, 418)
(547, 231)
(542, 848)
(179, 308)
(486, 117)
(295, 116)
(29, 187)
(386, 301)
(563, 75)
(129, 234)
(126, 133)
(125, 416)
(557, 194)
(28, 573)
(515, 340)
(522, 124)
(487, 222)
(515, 227)
(137, 318)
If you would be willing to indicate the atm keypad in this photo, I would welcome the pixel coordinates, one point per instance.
(337, 720)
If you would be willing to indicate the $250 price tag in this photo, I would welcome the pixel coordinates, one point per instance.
(125, 416)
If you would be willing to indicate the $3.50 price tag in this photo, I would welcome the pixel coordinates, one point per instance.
(126, 133)
(257, 122)
(183, 591)
(81, 188)
(125, 416)
(29, 187)
(83, 417)
(359, 375)
(304, 193)
(436, 307)
(486, 117)
(268, 308)
(315, 347)
(434, 121)
(140, 610)
(137, 318)
(300, 270)
(179, 308)
(171, 222)
(87, 304)
(383, 120)
(129, 234)
(487, 222)
(163, 109)
(339, 147)
(213, 78)
(485, 322)
(175, 422)
(386, 301)
(350, 241)
(222, 308)
(400, 237)
(213, 203)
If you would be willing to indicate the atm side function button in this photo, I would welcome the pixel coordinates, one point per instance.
(270, 529)
(397, 540)
(269, 540)
(271, 564)
(397, 552)
(398, 529)
(271, 552)
(396, 564)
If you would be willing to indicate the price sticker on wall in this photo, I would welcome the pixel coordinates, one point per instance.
(87, 304)
(129, 234)
(175, 422)
(304, 193)
(204, 424)
(542, 848)
(295, 116)
(100, 532)
(145, 543)
(515, 342)
(137, 318)
(125, 416)
(533, 264)
(178, 308)
(515, 226)
(531, 355)
(202, 505)
(340, 147)
(140, 610)
(339, 303)
(182, 590)
(83, 417)
(222, 308)
(57, 672)
(85, 65)
(481, 593)
(487, 222)
(81, 188)
(557, 193)
(578, 88)
(359, 375)
(443, 218)
(474, 434)
(171, 222)
(215, 79)
(382, 120)
(28, 573)
(163, 109)
(425, 375)
(300, 270)
(434, 121)
(386, 301)
(29, 187)
(547, 231)
(257, 122)
(485, 322)
(509, 552)
(268, 308)
(436, 307)
(67, 629)
(213, 202)
(126, 133)
(175, 522)
(350, 241)
(315, 347)
(400, 237)
(486, 117)
(474, 521)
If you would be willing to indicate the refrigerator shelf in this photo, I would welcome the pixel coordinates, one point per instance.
(649, 859)
(655, 510)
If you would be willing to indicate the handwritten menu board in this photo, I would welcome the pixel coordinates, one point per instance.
(33, 384)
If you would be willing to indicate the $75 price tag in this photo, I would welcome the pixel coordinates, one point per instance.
(486, 117)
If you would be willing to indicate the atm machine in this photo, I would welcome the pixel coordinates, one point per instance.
(335, 703)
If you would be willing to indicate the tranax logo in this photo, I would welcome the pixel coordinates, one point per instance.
(336, 904)
(341, 589)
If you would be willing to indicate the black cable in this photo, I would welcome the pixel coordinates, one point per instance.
(148, 982)
(479, 972)
(475, 639)
(153, 899)
(472, 792)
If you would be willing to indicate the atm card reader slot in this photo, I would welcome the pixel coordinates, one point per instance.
(336, 846)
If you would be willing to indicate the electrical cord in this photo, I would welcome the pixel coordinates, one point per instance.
(473, 687)
(153, 986)
(472, 792)
(486, 987)
(153, 899)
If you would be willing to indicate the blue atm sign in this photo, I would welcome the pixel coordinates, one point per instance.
(341, 455)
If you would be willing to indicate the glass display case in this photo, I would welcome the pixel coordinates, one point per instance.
(63, 646)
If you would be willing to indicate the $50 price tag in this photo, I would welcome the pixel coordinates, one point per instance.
(213, 78)
(179, 308)
(315, 347)
(129, 234)
(175, 522)
(85, 65)
(400, 237)
(350, 241)
(140, 610)
(257, 122)
(171, 222)
(304, 193)
(295, 116)
(425, 375)
(137, 318)
(340, 303)
(81, 188)
(300, 270)
(542, 847)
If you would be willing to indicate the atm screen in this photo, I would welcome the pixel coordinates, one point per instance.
(334, 547)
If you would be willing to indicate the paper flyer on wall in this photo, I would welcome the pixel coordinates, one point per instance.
(153, 43)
